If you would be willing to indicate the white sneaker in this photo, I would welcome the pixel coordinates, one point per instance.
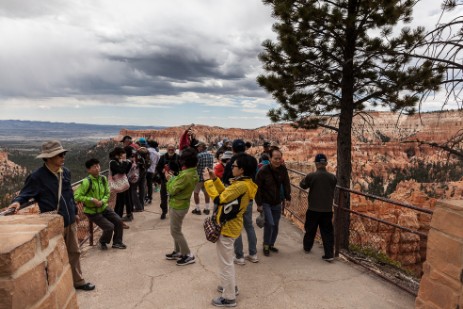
(252, 258)
(239, 261)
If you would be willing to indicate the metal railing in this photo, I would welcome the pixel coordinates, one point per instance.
(342, 219)
(85, 228)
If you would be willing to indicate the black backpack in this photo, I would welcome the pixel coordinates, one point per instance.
(90, 184)
(143, 158)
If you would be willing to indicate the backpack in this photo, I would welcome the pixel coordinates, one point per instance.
(143, 158)
(90, 184)
(134, 173)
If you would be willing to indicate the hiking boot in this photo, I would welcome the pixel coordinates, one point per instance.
(222, 302)
(328, 258)
(127, 218)
(102, 246)
(163, 216)
(119, 246)
(252, 258)
(196, 212)
(220, 289)
(266, 250)
(273, 249)
(185, 260)
(173, 256)
(239, 261)
(206, 211)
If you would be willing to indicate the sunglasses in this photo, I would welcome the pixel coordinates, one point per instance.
(62, 155)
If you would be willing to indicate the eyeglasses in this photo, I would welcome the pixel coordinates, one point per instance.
(62, 155)
(170, 149)
(234, 165)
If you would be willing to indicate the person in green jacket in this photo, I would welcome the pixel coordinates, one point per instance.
(180, 188)
(94, 194)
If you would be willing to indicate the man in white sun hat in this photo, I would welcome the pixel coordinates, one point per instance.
(50, 187)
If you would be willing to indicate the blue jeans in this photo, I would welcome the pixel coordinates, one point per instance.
(272, 220)
(249, 228)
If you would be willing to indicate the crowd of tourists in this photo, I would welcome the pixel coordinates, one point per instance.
(230, 181)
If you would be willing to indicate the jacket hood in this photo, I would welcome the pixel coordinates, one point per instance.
(252, 187)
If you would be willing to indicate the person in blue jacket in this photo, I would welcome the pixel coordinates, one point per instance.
(50, 186)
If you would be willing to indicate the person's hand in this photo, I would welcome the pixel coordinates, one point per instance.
(260, 208)
(97, 203)
(15, 206)
(206, 175)
(168, 174)
(77, 219)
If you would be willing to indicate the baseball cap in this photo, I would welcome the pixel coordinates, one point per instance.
(125, 138)
(227, 155)
(142, 140)
(266, 144)
(238, 145)
(320, 158)
(200, 144)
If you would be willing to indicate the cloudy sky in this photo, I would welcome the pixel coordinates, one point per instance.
(143, 62)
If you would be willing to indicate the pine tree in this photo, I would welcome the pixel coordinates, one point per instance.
(339, 57)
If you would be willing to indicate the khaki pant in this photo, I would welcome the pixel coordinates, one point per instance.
(226, 266)
(72, 246)
(176, 220)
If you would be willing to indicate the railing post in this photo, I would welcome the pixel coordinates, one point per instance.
(90, 227)
(338, 223)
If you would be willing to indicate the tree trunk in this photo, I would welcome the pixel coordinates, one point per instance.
(344, 141)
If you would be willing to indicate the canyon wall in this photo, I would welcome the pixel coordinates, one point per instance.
(388, 159)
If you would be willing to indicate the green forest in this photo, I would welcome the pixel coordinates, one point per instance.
(77, 154)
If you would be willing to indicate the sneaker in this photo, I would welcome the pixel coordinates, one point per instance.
(239, 261)
(220, 289)
(266, 250)
(185, 260)
(102, 246)
(119, 246)
(127, 218)
(252, 258)
(206, 211)
(163, 216)
(196, 212)
(273, 249)
(173, 256)
(328, 258)
(222, 302)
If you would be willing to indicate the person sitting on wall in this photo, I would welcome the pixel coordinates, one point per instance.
(94, 193)
(50, 187)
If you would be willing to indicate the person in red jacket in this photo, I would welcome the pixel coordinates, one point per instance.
(219, 167)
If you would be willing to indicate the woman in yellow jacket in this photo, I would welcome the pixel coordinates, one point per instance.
(231, 202)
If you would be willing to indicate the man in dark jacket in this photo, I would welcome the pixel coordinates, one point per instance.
(320, 212)
(50, 187)
(167, 162)
(274, 188)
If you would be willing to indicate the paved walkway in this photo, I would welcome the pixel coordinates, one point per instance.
(140, 277)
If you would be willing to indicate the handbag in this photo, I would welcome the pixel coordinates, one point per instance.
(212, 228)
(134, 174)
(118, 183)
(260, 220)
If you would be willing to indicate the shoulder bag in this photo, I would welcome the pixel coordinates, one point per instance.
(118, 183)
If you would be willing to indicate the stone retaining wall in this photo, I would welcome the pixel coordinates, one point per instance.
(34, 267)
(442, 282)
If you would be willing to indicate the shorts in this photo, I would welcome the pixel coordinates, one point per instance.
(200, 187)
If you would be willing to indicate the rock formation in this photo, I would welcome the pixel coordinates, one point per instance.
(387, 160)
